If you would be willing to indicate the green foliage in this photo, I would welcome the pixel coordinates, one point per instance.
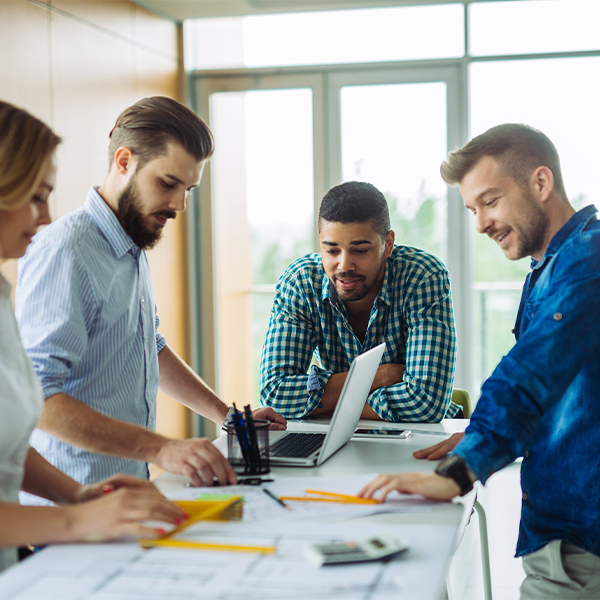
(419, 222)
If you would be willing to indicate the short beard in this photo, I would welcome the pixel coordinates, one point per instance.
(134, 222)
(533, 230)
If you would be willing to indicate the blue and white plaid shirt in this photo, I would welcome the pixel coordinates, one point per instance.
(412, 314)
(86, 314)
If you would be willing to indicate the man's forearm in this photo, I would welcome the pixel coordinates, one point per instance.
(181, 383)
(73, 422)
(387, 375)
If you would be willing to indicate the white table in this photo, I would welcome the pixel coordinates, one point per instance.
(74, 571)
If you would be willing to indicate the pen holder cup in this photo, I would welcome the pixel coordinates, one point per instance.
(248, 448)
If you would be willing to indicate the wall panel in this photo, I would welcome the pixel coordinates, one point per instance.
(77, 65)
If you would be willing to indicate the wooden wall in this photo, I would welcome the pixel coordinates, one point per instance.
(76, 65)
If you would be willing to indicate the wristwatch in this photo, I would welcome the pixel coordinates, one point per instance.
(454, 467)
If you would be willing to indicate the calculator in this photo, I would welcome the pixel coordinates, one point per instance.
(337, 553)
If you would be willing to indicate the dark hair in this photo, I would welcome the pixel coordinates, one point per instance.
(356, 202)
(519, 150)
(150, 124)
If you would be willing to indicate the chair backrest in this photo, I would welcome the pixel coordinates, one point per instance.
(462, 398)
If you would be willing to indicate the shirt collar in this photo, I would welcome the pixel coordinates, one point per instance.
(575, 224)
(330, 294)
(108, 224)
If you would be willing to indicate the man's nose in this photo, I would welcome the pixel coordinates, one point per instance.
(346, 262)
(178, 202)
(484, 222)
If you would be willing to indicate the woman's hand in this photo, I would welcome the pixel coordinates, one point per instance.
(124, 512)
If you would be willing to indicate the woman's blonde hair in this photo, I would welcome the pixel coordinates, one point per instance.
(26, 146)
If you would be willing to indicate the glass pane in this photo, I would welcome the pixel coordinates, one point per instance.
(569, 116)
(326, 37)
(263, 211)
(533, 26)
(394, 136)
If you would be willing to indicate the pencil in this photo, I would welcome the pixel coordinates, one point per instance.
(278, 500)
(347, 497)
(206, 546)
(338, 500)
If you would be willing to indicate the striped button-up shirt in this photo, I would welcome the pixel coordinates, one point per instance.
(86, 314)
(412, 314)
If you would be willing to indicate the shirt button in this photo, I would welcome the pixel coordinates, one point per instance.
(557, 316)
(527, 454)
(143, 299)
(524, 496)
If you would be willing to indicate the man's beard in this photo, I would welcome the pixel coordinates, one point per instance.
(144, 232)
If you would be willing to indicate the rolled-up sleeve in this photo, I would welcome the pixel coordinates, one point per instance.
(285, 383)
(54, 301)
(426, 390)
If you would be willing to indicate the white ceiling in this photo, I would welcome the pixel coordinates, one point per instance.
(178, 10)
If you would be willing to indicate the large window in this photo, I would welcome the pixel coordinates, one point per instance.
(416, 84)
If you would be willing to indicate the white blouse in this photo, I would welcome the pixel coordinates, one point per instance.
(20, 408)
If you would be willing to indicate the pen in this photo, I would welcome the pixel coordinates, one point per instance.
(269, 493)
(241, 434)
(254, 451)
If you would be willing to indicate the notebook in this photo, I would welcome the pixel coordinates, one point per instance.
(343, 423)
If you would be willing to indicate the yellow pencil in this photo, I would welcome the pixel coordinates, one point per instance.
(207, 546)
(344, 497)
(337, 500)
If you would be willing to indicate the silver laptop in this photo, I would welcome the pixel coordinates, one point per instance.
(313, 449)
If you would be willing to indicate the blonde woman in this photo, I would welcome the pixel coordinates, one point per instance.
(84, 512)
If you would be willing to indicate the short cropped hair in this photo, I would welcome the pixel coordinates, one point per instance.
(26, 146)
(519, 150)
(150, 124)
(356, 202)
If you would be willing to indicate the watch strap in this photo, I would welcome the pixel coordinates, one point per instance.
(454, 467)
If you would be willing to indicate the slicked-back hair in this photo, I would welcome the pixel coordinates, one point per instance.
(519, 150)
(26, 147)
(356, 202)
(150, 124)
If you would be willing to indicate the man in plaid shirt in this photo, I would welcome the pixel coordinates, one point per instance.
(360, 291)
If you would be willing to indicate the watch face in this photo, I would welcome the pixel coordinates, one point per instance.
(449, 464)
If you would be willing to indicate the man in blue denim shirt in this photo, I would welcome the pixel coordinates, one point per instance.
(543, 400)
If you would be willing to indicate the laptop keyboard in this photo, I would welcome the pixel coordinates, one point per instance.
(298, 445)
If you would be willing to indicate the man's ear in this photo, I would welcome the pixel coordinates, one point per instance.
(542, 180)
(124, 161)
(389, 243)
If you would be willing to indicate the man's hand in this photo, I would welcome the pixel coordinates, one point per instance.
(116, 482)
(429, 485)
(197, 459)
(439, 450)
(278, 423)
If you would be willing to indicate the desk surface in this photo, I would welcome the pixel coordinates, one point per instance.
(85, 571)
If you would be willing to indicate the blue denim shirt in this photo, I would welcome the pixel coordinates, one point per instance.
(542, 401)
